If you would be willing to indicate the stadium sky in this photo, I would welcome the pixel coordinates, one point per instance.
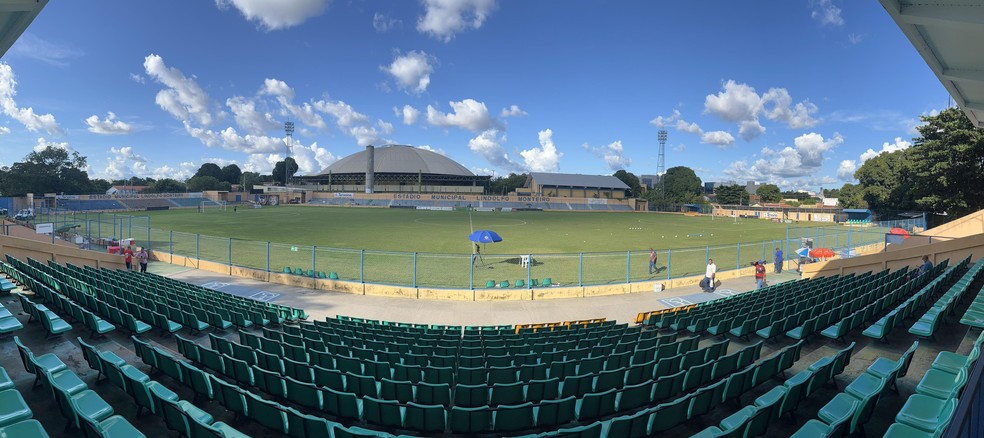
(796, 93)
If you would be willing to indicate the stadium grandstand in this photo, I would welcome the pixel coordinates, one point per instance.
(875, 345)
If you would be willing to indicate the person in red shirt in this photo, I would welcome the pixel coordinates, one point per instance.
(128, 258)
(759, 275)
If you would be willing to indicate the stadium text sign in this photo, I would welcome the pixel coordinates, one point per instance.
(436, 197)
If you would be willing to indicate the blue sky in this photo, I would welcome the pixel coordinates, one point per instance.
(797, 93)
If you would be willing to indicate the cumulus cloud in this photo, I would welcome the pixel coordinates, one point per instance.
(273, 15)
(43, 144)
(137, 78)
(613, 154)
(512, 111)
(444, 18)
(411, 71)
(123, 162)
(30, 46)
(4, 130)
(826, 13)
(718, 138)
(468, 114)
(311, 159)
(898, 145)
(488, 145)
(545, 158)
(108, 126)
(722, 139)
(184, 170)
(182, 97)
(409, 114)
(690, 128)
(740, 103)
(26, 116)
(383, 23)
(662, 122)
(249, 118)
(788, 165)
(846, 170)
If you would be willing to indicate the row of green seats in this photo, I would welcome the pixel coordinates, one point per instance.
(310, 273)
(504, 284)
(16, 417)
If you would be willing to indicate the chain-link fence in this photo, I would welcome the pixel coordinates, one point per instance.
(463, 271)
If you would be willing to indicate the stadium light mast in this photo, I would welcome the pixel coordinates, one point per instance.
(661, 163)
(289, 129)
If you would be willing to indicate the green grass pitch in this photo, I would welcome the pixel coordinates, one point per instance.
(569, 247)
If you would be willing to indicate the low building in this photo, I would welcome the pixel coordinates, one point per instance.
(573, 185)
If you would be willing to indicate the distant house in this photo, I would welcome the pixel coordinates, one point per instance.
(125, 190)
(573, 185)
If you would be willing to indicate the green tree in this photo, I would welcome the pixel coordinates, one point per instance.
(946, 164)
(202, 183)
(210, 169)
(250, 179)
(731, 195)
(166, 185)
(100, 186)
(50, 170)
(507, 184)
(809, 201)
(278, 170)
(886, 182)
(769, 193)
(848, 196)
(683, 186)
(630, 180)
(232, 174)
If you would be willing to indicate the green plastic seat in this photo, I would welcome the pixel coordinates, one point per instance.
(386, 413)
(596, 405)
(425, 418)
(268, 413)
(333, 275)
(926, 413)
(490, 284)
(941, 384)
(511, 418)
(287, 270)
(433, 394)
(813, 429)
(112, 427)
(24, 429)
(86, 404)
(471, 395)
(547, 282)
(952, 362)
(470, 420)
(321, 274)
(298, 271)
(13, 408)
(899, 430)
(520, 283)
(636, 425)
(865, 385)
(504, 284)
(841, 408)
(342, 404)
(556, 412)
(5, 380)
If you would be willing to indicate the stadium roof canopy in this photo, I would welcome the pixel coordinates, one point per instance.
(15, 16)
(576, 180)
(948, 35)
(399, 159)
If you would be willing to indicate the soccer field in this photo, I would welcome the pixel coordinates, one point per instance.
(421, 248)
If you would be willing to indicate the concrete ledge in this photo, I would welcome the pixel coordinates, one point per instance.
(250, 273)
(503, 295)
(549, 293)
(446, 294)
(347, 287)
(612, 289)
(390, 291)
(292, 280)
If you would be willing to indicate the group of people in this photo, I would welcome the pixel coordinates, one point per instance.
(142, 258)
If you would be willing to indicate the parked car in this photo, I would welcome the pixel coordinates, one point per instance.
(24, 215)
(3, 212)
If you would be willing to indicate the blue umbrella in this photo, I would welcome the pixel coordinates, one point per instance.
(803, 252)
(484, 236)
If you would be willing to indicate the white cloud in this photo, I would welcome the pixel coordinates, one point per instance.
(826, 13)
(546, 158)
(428, 148)
(33, 122)
(482, 171)
(468, 114)
(855, 38)
(613, 154)
(662, 122)
(182, 98)
(262, 163)
(137, 78)
(411, 71)
(722, 139)
(4, 130)
(347, 119)
(846, 170)
(249, 118)
(185, 170)
(790, 165)
(273, 15)
(690, 128)
(383, 23)
(738, 102)
(285, 96)
(512, 111)
(311, 159)
(409, 114)
(124, 163)
(488, 145)
(898, 145)
(30, 46)
(444, 18)
(108, 126)
(43, 144)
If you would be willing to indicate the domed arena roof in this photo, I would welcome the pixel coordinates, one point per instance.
(399, 159)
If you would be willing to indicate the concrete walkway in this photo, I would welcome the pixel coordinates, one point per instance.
(319, 303)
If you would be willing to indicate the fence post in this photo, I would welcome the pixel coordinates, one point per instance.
(529, 272)
(130, 228)
(786, 252)
(580, 269)
(170, 243)
(230, 252)
(628, 265)
(471, 273)
(196, 248)
(114, 226)
(362, 266)
(414, 269)
(707, 254)
(268, 256)
(148, 234)
(314, 260)
(738, 255)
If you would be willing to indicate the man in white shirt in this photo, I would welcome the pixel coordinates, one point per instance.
(709, 275)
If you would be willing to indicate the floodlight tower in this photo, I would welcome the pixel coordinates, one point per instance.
(661, 163)
(289, 129)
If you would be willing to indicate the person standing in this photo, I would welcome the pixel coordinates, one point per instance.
(128, 258)
(142, 258)
(759, 275)
(652, 261)
(709, 275)
(779, 260)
